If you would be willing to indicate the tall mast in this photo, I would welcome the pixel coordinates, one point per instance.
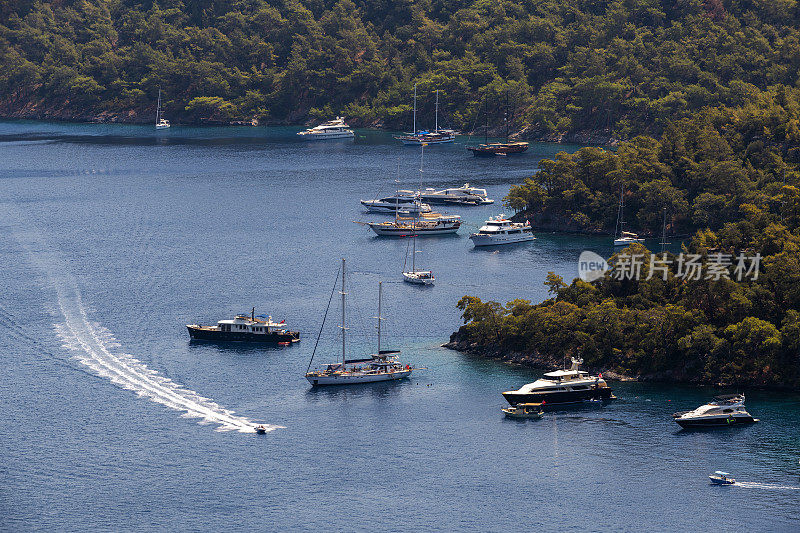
(486, 118)
(437, 112)
(505, 116)
(664, 232)
(343, 326)
(415, 109)
(618, 229)
(380, 293)
(158, 107)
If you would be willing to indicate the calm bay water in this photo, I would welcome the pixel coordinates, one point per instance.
(115, 237)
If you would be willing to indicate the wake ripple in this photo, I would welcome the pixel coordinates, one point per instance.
(767, 486)
(96, 348)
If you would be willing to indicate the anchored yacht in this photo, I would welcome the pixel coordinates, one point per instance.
(562, 387)
(245, 328)
(725, 410)
(500, 230)
(419, 137)
(334, 129)
(426, 224)
(402, 202)
(380, 366)
(464, 195)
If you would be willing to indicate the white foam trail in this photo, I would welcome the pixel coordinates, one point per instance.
(97, 348)
(767, 486)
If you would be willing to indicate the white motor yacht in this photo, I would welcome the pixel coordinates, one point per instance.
(464, 195)
(725, 410)
(402, 202)
(500, 230)
(333, 129)
(626, 237)
(562, 387)
(380, 366)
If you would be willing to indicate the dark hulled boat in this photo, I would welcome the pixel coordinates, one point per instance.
(243, 328)
(562, 387)
(493, 149)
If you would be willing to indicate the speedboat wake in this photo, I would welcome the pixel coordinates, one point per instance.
(96, 348)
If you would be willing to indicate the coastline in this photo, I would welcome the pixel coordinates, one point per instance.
(548, 362)
(142, 117)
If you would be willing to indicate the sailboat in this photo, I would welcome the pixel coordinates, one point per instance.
(380, 366)
(621, 237)
(161, 122)
(419, 277)
(437, 136)
(488, 149)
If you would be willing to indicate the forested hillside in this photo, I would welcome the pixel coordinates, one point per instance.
(621, 67)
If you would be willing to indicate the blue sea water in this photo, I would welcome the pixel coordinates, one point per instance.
(112, 238)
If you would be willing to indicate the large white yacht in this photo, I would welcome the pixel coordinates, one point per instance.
(383, 365)
(500, 230)
(725, 410)
(562, 387)
(333, 129)
(402, 202)
(464, 195)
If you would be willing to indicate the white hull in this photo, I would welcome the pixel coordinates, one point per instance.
(354, 378)
(625, 241)
(495, 240)
(162, 126)
(326, 136)
(410, 277)
(417, 142)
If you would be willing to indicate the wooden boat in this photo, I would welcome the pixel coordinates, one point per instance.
(524, 410)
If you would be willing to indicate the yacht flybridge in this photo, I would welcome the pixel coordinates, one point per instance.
(725, 410)
(464, 195)
(562, 387)
(383, 365)
(334, 129)
(500, 230)
(402, 202)
(245, 328)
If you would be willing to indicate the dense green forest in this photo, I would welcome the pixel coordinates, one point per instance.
(730, 176)
(713, 331)
(623, 67)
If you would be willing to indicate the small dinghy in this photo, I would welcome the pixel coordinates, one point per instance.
(721, 478)
(524, 410)
(261, 430)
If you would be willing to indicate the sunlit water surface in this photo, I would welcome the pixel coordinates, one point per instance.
(115, 237)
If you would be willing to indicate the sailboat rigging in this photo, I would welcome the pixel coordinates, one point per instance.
(380, 366)
(418, 277)
(622, 237)
(437, 136)
(161, 122)
(488, 149)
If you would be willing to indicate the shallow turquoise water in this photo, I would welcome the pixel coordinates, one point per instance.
(115, 237)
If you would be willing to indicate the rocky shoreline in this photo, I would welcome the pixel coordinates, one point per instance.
(548, 362)
(528, 360)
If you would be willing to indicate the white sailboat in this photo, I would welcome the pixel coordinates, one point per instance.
(380, 366)
(621, 237)
(418, 277)
(161, 122)
(437, 136)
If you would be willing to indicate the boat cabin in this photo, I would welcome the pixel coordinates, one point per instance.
(247, 324)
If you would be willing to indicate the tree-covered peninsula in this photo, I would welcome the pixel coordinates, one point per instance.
(727, 177)
(615, 68)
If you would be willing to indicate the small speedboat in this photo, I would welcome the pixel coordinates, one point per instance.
(721, 478)
(261, 430)
(524, 410)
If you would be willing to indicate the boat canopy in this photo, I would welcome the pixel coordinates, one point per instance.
(564, 373)
(351, 361)
(721, 473)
